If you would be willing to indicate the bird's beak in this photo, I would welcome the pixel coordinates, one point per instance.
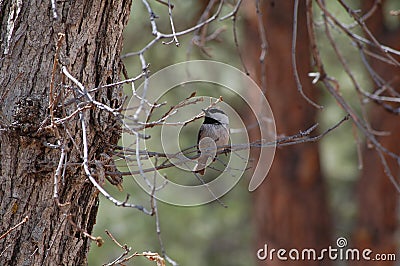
(205, 111)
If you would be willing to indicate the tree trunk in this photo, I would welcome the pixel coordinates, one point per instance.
(90, 50)
(290, 206)
(377, 197)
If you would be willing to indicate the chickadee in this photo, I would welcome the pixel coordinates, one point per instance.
(213, 131)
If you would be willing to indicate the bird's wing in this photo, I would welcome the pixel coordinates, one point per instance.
(198, 138)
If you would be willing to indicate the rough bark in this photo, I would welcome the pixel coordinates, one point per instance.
(290, 207)
(90, 50)
(378, 199)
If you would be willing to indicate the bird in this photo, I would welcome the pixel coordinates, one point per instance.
(213, 131)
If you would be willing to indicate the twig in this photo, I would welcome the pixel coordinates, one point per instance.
(70, 116)
(153, 16)
(233, 13)
(394, 12)
(368, 32)
(84, 92)
(173, 110)
(154, 209)
(171, 21)
(152, 256)
(299, 138)
(26, 218)
(4, 250)
(124, 247)
(57, 174)
(294, 64)
(145, 87)
(160, 35)
(333, 90)
(165, 3)
(367, 15)
(209, 190)
(374, 43)
(113, 239)
(197, 39)
(94, 182)
(99, 241)
(375, 76)
(54, 8)
(358, 122)
(302, 137)
(348, 71)
(235, 38)
(264, 46)
(141, 75)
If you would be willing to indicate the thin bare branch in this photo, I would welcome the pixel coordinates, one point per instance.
(171, 21)
(294, 61)
(264, 46)
(26, 218)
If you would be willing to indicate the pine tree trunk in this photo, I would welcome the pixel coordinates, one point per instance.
(90, 50)
(290, 206)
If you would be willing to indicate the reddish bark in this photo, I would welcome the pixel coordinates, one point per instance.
(290, 207)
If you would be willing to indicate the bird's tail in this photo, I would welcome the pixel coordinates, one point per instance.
(201, 165)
